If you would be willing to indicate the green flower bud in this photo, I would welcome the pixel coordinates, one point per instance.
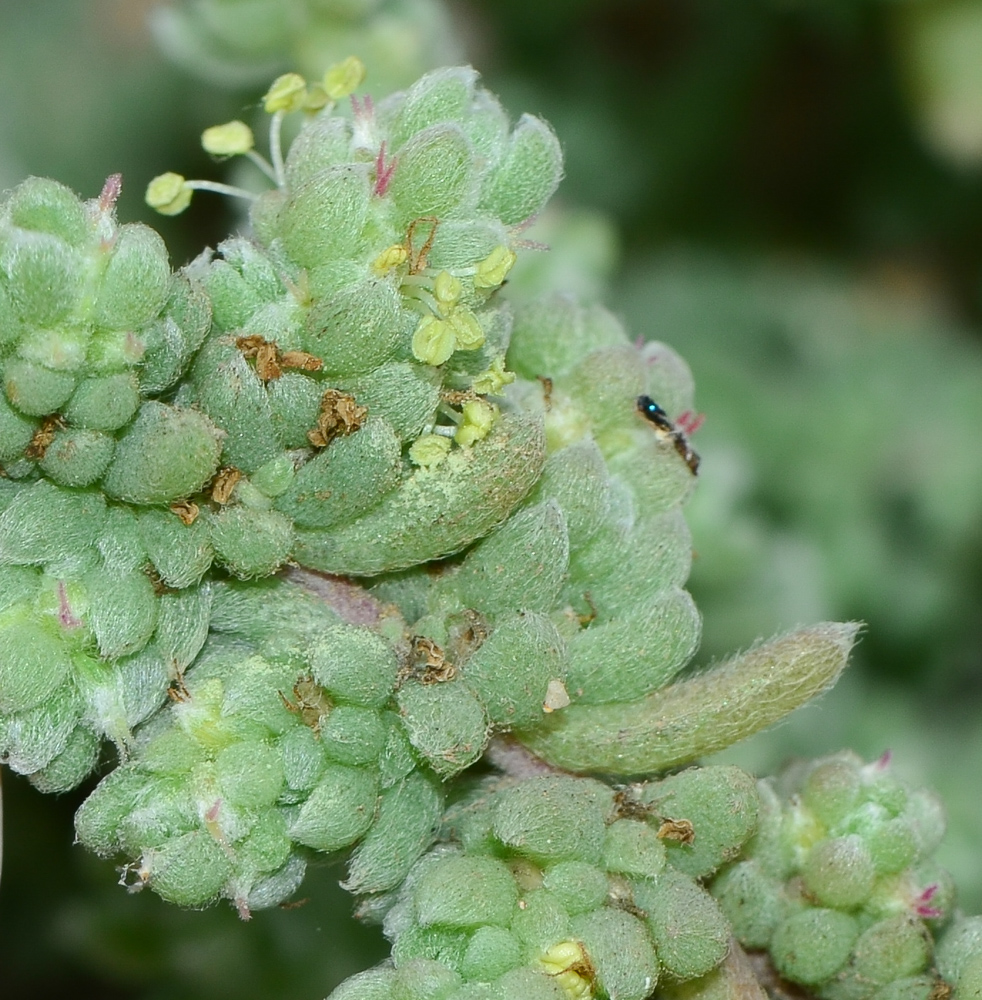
(541, 923)
(491, 952)
(77, 457)
(527, 174)
(190, 870)
(833, 789)
(339, 810)
(375, 984)
(168, 194)
(251, 543)
(167, 454)
(620, 951)
(407, 815)
(840, 872)
(16, 432)
(578, 886)
(136, 281)
(354, 665)
(353, 735)
(122, 610)
(813, 945)
(180, 552)
(303, 758)
(45, 206)
(435, 175)
(690, 933)
(35, 389)
(45, 278)
(104, 403)
(231, 139)
(891, 949)
(45, 523)
(72, 766)
(445, 722)
(631, 847)
(909, 988)
(554, 819)
(466, 892)
(442, 95)
(250, 774)
(957, 946)
(751, 901)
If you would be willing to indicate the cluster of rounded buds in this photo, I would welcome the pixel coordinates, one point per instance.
(562, 887)
(838, 883)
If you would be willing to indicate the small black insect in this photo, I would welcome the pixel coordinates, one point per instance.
(659, 419)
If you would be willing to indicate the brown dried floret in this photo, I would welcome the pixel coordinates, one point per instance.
(186, 510)
(312, 703)
(302, 360)
(680, 830)
(427, 662)
(339, 415)
(224, 484)
(43, 436)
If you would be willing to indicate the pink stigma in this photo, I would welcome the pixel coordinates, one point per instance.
(689, 422)
(65, 616)
(383, 173)
(922, 905)
(110, 192)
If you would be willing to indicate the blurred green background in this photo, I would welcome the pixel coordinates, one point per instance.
(789, 192)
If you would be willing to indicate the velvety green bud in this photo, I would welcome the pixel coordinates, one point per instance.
(355, 665)
(18, 584)
(466, 892)
(357, 328)
(233, 300)
(190, 870)
(527, 174)
(250, 774)
(347, 478)
(324, 141)
(441, 95)
(721, 803)
(303, 757)
(171, 752)
(72, 766)
(136, 283)
(631, 847)
(31, 739)
(404, 395)
(294, 404)
(620, 951)
(813, 945)
(424, 979)
(266, 848)
(840, 872)
(578, 886)
(968, 986)
(511, 670)
(926, 812)
(375, 984)
(435, 174)
(167, 454)
(832, 790)
(519, 567)
(251, 543)
(445, 722)
(353, 735)
(577, 478)
(460, 243)
(98, 819)
(45, 206)
(180, 552)
(490, 953)
(45, 523)
(911, 988)
(435, 512)
(323, 218)
(407, 815)
(892, 949)
(541, 923)
(892, 843)
(751, 901)
(554, 333)
(182, 625)
(77, 457)
(339, 810)
(16, 431)
(437, 944)
(35, 389)
(44, 277)
(626, 659)
(398, 757)
(959, 943)
(229, 390)
(554, 818)
(104, 403)
(122, 611)
(691, 935)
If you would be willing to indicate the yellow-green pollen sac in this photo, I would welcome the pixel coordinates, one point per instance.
(288, 93)
(231, 139)
(479, 418)
(429, 450)
(168, 193)
(492, 271)
(390, 258)
(344, 78)
(568, 964)
(433, 341)
(492, 381)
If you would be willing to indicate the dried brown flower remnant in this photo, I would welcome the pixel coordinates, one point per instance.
(270, 360)
(680, 830)
(302, 360)
(628, 806)
(428, 662)
(224, 483)
(312, 703)
(43, 437)
(339, 415)
(186, 510)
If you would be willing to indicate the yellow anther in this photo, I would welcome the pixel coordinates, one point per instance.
(168, 193)
(390, 258)
(429, 450)
(316, 98)
(467, 330)
(287, 93)
(479, 418)
(230, 139)
(492, 381)
(433, 341)
(492, 270)
(344, 78)
(446, 290)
